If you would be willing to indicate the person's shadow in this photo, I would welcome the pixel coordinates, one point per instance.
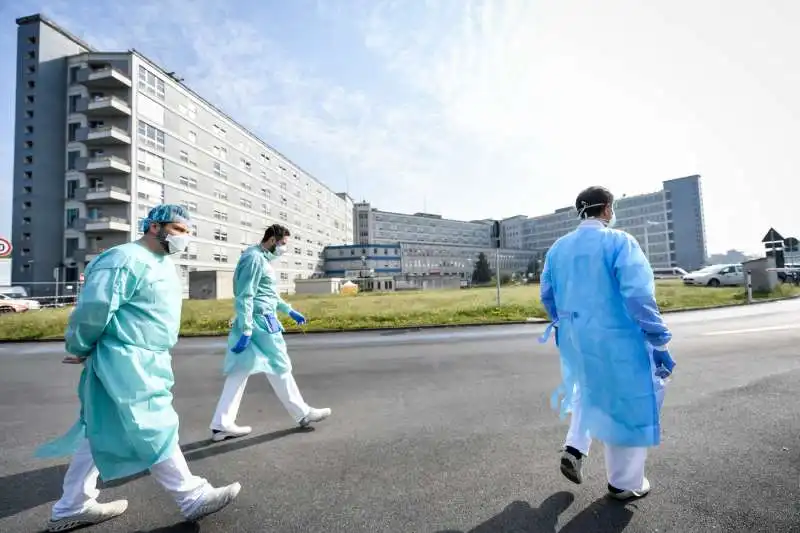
(602, 516)
(33, 488)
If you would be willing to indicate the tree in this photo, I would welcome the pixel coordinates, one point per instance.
(533, 268)
(482, 272)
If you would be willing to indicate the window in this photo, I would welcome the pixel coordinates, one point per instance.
(73, 103)
(150, 163)
(265, 209)
(72, 159)
(283, 215)
(151, 137)
(30, 99)
(283, 185)
(184, 156)
(189, 182)
(28, 175)
(284, 276)
(70, 246)
(219, 171)
(29, 113)
(246, 222)
(29, 144)
(72, 186)
(28, 130)
(219, 131)
(72, 217)
(150, 83)
(32, 39)
(220, 214)
(27, 190)
(219, 255)
(246, 186)
(191, 251)
(246, 203)
(72, 131)
(220, 234)
(31, 84)
(193, 230)
(221, 152)
(219, 193)
(189, 206)
(298, 250)
(193, 137)
(31, 69)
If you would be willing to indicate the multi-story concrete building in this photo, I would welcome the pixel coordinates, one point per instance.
(669, 224)
(101, 137)
(403, 259)
(373, 226)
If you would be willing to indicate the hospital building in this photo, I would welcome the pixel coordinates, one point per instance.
(101, 137)
(668, 224)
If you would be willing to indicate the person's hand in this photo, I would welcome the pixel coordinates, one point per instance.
(73, 360)
(297, 317)
(663, 361)
(241, 344)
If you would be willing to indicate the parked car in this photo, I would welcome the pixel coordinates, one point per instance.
(669, 273)
(17, 305)
(716, 276)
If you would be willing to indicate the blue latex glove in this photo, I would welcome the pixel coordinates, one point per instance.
(241, 344)
(664, 362)
(297, 317)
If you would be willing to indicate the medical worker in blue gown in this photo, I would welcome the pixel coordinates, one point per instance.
(256, 343)
(598, 289)
(126, 320)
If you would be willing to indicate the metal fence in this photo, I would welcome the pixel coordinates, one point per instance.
(48, 294)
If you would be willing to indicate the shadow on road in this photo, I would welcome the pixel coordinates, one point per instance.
(27, 490)
(180, 527)
(602, 516)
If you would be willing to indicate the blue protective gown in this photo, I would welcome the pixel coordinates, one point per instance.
(126, 320)
(255, 288)
(598, 287)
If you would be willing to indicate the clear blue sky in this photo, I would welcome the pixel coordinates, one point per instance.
(479, 109)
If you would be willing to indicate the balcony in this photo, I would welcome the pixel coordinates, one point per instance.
(104, 225)
(103, 194)
(108, 106)
(104, 164)
(103, 136)
(104, 78)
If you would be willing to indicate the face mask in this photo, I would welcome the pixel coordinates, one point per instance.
(174, 244)
(613, 220)
(279, 250)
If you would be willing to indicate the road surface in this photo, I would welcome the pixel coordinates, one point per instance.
(445, 431)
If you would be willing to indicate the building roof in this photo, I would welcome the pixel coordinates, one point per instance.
(38, 17)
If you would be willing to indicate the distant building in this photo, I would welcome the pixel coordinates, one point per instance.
(669, 224)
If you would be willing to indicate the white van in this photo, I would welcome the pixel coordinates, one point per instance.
(669, 273)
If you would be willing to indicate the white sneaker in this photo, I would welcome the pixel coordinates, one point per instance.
(95, 514)
(218, 435)
(214, 500)
(619, 494)
(315, 415)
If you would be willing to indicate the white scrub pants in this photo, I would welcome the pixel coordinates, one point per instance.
(624, 465)
(285, 389)
(80, 483)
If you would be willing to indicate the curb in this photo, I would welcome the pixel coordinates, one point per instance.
(422, 327)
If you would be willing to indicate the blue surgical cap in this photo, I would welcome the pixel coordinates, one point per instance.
(165, 213)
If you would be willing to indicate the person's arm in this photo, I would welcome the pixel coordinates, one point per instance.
(105, 291)
(284, 306)
(547, 294)
(248, 274)
(637, 285)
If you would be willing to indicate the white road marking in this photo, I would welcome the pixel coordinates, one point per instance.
(752, 330)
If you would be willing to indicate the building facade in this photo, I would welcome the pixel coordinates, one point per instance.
(103, 137)
(669, 224)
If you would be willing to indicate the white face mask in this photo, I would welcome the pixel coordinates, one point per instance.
(178, 243)
(280, 250)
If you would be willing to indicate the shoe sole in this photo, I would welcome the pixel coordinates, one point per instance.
(628, 495)
(208, 511)
(221, 436)
(69, 525)
(306, 423)
(570, 473)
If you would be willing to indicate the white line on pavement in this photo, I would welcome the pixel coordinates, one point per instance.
(752, 330)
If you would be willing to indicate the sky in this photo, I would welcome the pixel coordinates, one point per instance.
(484, 109)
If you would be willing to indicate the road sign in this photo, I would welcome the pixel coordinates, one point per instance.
(5, 248)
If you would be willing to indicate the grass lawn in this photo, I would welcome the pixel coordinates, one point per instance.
(390, 310)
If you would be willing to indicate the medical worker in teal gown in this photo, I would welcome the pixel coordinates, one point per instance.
(598, 289)
(256, 343)
(126, 320)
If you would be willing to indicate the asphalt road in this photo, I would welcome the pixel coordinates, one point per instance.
(445, 431)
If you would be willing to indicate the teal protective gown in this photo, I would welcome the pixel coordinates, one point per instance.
(598, 288)
(126, 320)
(255, 288)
